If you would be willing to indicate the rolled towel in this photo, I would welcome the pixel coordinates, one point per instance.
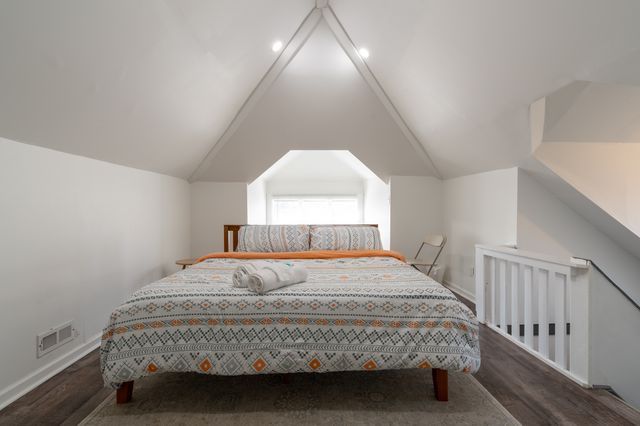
(276, 276)
(240, 277)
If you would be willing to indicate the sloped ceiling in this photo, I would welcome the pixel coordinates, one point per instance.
(154, 84)
(463, 73)
(148, 84)
(593, 112)
(319, 101)
(327, 165)
(588, 135)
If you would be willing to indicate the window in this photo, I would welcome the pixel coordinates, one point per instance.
(315, 210)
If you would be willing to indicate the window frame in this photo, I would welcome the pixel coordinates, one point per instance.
(358, 197)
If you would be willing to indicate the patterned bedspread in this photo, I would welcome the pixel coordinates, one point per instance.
(365, 313)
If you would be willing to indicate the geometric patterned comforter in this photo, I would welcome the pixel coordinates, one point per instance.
(365, 313)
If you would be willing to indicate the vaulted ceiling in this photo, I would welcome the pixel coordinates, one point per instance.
(155, 84)
(145, 83)
(319, 101)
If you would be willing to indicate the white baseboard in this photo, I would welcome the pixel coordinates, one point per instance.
(44, 373)
(459, 290)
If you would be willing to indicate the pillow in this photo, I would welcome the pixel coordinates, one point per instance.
(273, 238)
(345, 238)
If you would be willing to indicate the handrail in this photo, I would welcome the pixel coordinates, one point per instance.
(595, 265)
(531, 255)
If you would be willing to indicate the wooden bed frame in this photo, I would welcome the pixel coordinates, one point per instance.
(440, 376)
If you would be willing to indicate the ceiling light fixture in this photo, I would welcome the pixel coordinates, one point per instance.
(364, 52)
(276, 46)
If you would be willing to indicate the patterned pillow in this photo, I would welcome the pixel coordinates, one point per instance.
(345, 238)
(273, 238)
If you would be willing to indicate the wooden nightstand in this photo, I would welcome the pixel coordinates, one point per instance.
(185, 262)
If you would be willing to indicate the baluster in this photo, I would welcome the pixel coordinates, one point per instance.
(481, 286)
(528, 306)
(561, 338)
(543, 315)
(492, 290)
(547, 289)
(503, 295)
(515, 281)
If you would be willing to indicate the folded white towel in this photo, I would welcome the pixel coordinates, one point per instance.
(240, 277)
(276, 276)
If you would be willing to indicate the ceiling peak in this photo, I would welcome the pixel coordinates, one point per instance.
(306, 28)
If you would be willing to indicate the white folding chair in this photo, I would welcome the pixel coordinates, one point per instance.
(436, 241)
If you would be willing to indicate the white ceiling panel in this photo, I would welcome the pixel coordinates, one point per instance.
(154, 84)
(319, 101)
(148, 84)
(463, 73)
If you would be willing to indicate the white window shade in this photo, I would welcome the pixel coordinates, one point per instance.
(315, 210)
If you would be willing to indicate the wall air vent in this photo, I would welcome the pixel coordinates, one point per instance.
(55, 337)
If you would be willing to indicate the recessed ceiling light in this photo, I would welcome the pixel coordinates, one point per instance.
(364, 52)
(276, 46)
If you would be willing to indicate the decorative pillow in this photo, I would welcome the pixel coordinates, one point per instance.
(273, 238)
(345, 238)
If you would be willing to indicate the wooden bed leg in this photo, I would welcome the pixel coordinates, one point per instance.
(124, 393)
(440, 384)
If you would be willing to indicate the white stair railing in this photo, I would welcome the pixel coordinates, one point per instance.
(539, 302)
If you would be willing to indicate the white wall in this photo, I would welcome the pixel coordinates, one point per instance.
(77, 236)
(213, 205)
(257, 203)
(377, 208)
(416, 210)
(477, 209)
(548, 225)
(614, 323)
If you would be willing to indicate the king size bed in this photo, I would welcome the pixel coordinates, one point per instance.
(362, 309)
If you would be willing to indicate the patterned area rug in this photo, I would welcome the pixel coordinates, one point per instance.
(354, 398)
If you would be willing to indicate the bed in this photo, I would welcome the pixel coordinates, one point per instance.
(358, 310)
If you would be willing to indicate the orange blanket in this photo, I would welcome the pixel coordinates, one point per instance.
(313, 254)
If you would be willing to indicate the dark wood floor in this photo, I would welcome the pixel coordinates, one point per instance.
(536, 394)
(533, 392)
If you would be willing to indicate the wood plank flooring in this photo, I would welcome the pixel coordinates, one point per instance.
(533, 392)
(536, 394)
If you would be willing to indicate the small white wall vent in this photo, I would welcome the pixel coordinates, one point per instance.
(55, 337)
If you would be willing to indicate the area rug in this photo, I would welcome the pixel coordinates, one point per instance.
(354, 398)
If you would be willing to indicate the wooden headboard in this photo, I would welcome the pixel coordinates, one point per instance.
(235, 229)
